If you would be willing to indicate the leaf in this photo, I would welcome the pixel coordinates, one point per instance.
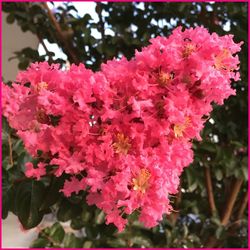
(216, 220)
(100, 217)
(10, 18)
(192, 187)
(87, 244)
(57, 232)
(39, 243)
(29, 197)
(141, 241)
(77, 223)
(117, 242)
(219, 231)
(6, 194)
(91, 231)
(52, 193)
(71, 241)
(218, 174)
(23, 64)
(208, 146)
(68, 211)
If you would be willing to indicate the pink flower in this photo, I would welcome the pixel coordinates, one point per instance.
(124, 134)
(32, 172)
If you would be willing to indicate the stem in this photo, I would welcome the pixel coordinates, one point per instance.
(101, 23)
(242, 207)
(44, 46)
(231, 201)
(10, 149)
(99, 12)
(210, 192)
(212, 241)
(60, 33)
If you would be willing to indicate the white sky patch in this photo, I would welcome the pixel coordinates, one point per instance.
(52, 47)
(83, 8)
(227, 26)
(211, 120)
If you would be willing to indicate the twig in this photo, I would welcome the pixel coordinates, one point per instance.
(45, 47)
(10, 149)
(60, 33)
(99, 12)
(210, 193)
(242, 207)
(101, 24)
(231, 201)
(212, 241)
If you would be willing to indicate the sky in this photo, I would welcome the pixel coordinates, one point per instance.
(83, 8)
(89, 8)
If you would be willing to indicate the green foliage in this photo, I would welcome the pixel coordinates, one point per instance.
(223, 150)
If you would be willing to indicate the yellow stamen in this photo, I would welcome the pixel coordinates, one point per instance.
(122, 144)
(180, 128)
(188, 50)
(140, 183)
(41, 85)
(218, 61)
(164, 78)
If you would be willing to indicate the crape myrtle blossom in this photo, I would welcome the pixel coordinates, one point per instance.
(123, 134)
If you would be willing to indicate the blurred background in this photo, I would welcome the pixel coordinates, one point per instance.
(211, 206)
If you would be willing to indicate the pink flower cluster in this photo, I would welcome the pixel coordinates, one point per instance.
(124, 134)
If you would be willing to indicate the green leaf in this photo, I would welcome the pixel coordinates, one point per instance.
(6, 193)
(40, 243)
(117, 242)
(87, 244)
(192, 187)
(100, 217)
(52, 193)
(218, 174)
(71, 241)
(57, 232)
(219, 231)
(28, 199)
(77, 223)
(68, 211)
(10, 18)
(141, 241)
(23, 65)
(216, 220)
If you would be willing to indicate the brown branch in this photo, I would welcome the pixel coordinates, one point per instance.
(176, 214)
(213, 241)
(10, 149)
(60, 34)
(210, 193)
(101, 23)
(45, 47)
(242, 207)
(231, 201)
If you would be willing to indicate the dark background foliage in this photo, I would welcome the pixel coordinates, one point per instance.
(211, 205)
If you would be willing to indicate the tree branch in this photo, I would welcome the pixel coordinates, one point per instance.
(101, 23)
(210, 193)
(231, 201)
(243, 206)
(60, 34)
(213, 241)
(45, 47)
(10, 149)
